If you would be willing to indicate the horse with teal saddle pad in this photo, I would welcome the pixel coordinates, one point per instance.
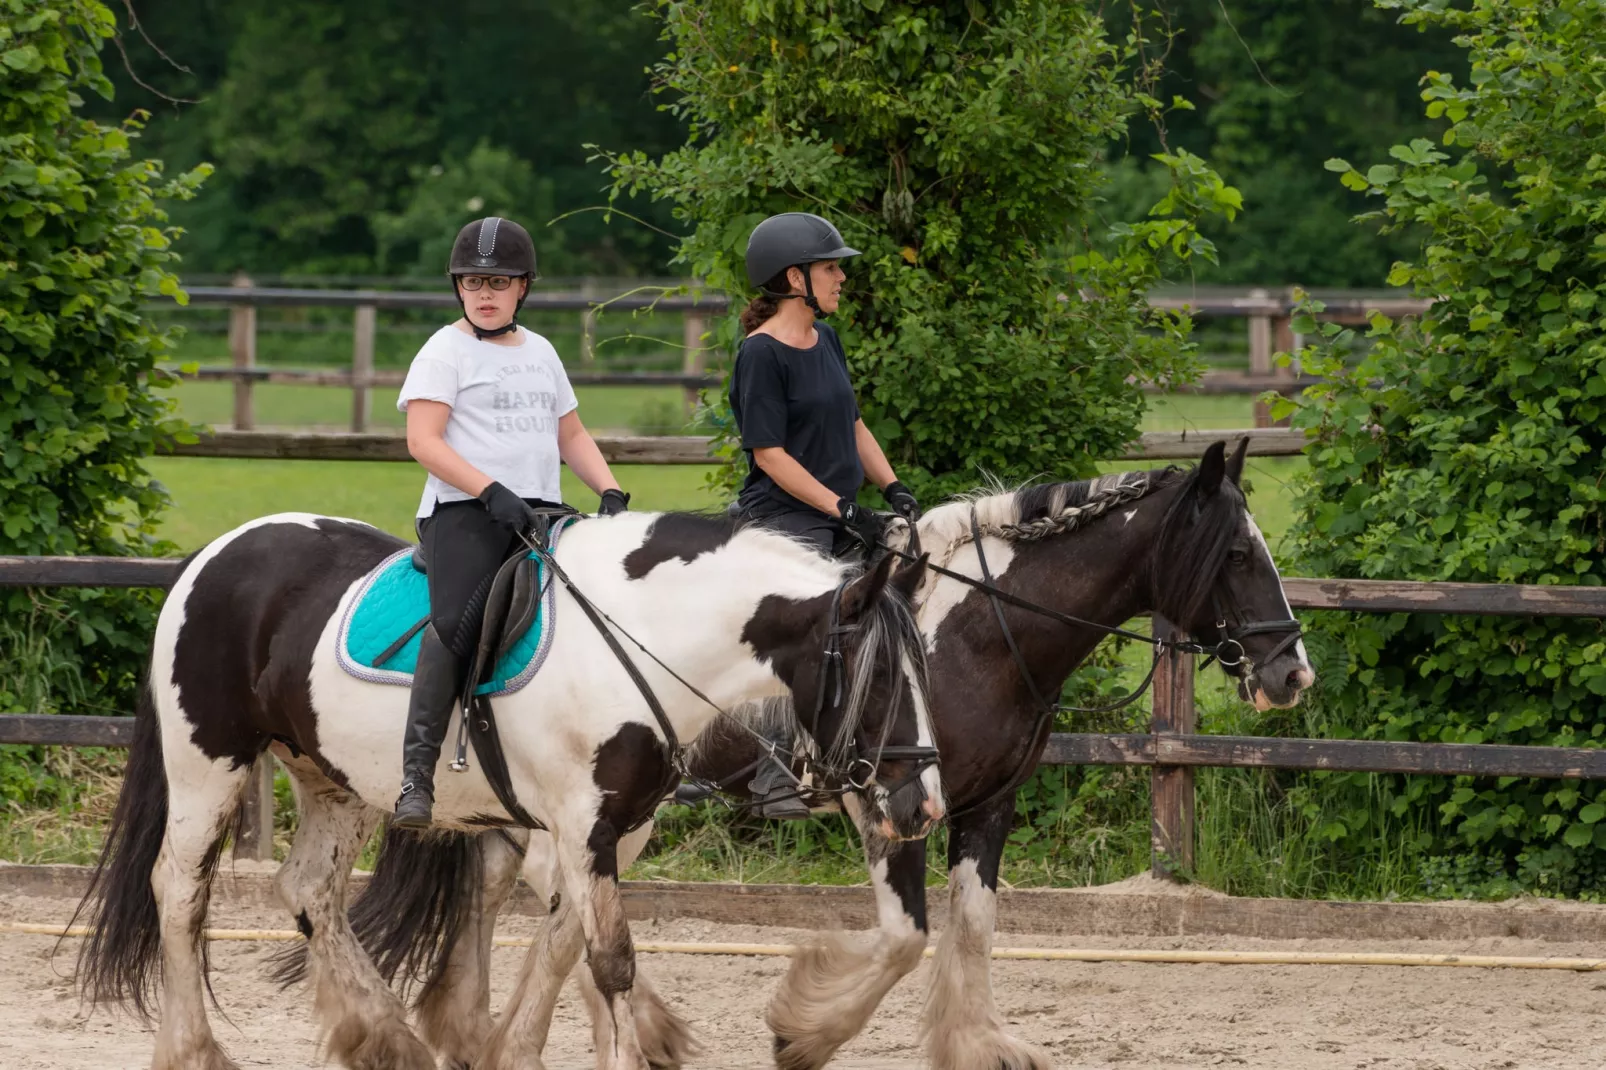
(383, 624)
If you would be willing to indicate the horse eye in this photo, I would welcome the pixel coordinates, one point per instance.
(1238, 558)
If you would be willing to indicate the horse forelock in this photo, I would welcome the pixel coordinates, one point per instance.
(1191, 547)
(889, 639)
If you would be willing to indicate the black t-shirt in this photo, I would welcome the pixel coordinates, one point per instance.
(801, 400)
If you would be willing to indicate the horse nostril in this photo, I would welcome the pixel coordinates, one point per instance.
(1294, 681)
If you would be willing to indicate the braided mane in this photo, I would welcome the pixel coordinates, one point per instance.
(1029, 513)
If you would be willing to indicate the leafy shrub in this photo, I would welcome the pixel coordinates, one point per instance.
(82, 248)
(957, 145)
(1468, 446)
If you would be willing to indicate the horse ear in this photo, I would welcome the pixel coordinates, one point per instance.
(863, 592)
(1235, 463)
(907, 579)
(1212, 468)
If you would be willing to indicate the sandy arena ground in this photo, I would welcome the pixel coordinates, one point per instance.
(1088, 1015)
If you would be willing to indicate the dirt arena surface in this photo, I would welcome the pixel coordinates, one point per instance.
(1089, 1015)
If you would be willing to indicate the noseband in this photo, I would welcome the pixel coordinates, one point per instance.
(1230, 649)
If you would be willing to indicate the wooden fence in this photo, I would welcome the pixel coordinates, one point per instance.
(661, 449)
(1268, 317)
(1173, 748)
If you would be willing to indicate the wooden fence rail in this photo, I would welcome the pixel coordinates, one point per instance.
(1172, 748)
(662, 449)
(1268, 316)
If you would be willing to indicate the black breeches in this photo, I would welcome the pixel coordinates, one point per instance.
(464, 548)
(810, 525)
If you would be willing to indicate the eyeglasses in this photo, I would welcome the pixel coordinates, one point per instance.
(474, 282)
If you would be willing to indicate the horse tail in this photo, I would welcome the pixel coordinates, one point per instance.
(121, 959)
(425, 889)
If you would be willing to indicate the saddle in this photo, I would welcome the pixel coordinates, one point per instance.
(510, 607)
(515, 597)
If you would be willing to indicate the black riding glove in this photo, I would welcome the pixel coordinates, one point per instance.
(901, 500)
(506, 508)
(613, 501)
(860, 523)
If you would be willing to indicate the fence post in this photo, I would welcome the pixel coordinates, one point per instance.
(255, 839)
(243, 348)
(362, 365)
(696, 358)
(1260, 352)
(1171, 786)
(1284, 340)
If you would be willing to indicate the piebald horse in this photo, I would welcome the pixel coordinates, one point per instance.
(1180, 542)
(244, 661)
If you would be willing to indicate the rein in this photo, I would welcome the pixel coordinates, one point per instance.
(1229, 647)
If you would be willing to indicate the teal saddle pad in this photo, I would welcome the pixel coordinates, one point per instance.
(395, 596)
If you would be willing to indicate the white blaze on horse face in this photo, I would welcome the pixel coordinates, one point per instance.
(925, 736)
(1305, 674)
(947, 593)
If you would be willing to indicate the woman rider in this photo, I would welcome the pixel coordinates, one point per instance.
(490, 413)
(808, 450)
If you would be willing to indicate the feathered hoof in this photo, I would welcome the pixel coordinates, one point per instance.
(803, 1053)
(203, 1055)
(382, 1045)
(666, 1039)
(993, 1049)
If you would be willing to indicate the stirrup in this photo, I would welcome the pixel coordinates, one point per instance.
(414, 809)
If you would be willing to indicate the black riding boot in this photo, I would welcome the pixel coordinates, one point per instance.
(436, 683)
(773, 786)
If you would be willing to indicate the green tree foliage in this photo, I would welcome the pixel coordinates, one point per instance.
(1469, 446)
(325, 118)
(956, 145)
(1282, 85)
(488, 181)
(83, 245)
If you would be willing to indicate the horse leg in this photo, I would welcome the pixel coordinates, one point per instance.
(963, 1030)
(520, 1032)
(835, 983)
(454, 1012)
(202, 798)
(665, 1037)
(365, 1024)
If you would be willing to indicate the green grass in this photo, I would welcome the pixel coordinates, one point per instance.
(211, 496)
(614, 409)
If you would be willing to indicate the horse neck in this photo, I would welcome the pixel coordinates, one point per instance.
(694, 619)
(1099, 574)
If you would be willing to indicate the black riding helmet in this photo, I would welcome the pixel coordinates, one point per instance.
(792, 239)
(492, 246)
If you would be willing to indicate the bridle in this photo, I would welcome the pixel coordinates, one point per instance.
(1232, 634)
(1229, 651)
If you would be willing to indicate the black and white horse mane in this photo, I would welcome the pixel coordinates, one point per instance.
(1185, 563)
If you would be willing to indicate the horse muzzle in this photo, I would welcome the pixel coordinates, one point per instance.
(1279, 689)
(910, 810)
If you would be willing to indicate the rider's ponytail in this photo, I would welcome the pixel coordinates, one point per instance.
(764, 306)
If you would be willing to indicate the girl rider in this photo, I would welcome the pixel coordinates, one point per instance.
(808, 451)
(490, 413)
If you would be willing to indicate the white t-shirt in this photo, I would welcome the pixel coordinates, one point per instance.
(506, 402)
